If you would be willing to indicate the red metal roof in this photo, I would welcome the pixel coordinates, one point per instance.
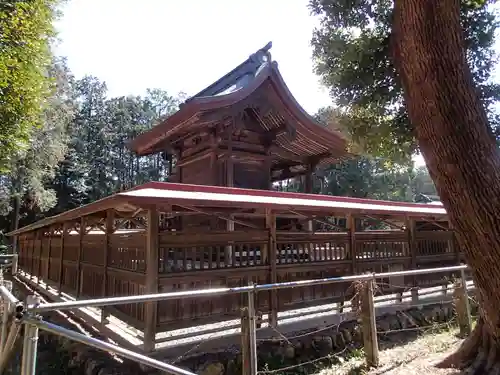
(164, 194)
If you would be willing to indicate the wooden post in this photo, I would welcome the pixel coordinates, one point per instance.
(40, 252)
(33, 249)
(83, 228)
(351, 244)
(61, 263)
(273, 276)
(414, 295)
(461, 301)
(369, 326)
(399, 297)
(110, 228)
(245, 341)
(229, 250)
(49, 254)
(412, 245)
(213, 158)
(15, 263)
(453, 245)
(151, 308)
(309, 190)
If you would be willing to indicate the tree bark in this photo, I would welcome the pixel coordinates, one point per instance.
(460, 151)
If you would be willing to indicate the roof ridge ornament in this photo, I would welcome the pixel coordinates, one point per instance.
(262, 55)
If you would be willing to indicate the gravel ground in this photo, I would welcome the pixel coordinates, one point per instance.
(415, 357)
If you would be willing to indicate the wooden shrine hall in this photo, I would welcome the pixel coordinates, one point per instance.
(245, 130)
(219, 223)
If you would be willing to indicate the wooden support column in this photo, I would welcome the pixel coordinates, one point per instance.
(245, 341)
(178, 168)
(230, 183)
(151, 308)
(452, 243)
(412, 245)
(351, 244)
(214, 171)
(49, 253)
(213, 159)
(110, 229)
(41, 236)
(309, 190)
(273, 274)
(64, 233)
(267, 167)
(410, 227)
(33, 249)
(83, 230)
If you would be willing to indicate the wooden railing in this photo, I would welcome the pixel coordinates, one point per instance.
(96, 264)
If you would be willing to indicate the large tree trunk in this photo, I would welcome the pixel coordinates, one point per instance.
(460, 151)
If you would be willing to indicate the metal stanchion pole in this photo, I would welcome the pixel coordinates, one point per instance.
(30, 349)
(252, 331)
(5, 320)
(30, 343)
(5, 314)
(15, 262)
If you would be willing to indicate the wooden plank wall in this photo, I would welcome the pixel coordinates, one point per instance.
(74, 262)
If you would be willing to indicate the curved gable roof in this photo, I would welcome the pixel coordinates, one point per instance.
(232, 89)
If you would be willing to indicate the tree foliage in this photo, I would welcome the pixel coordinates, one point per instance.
(25, 33)
(98, 162)
(32, 167)
(79, 153)
(353, 57)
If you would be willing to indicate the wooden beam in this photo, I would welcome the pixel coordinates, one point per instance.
(385, 222)
(222, 217)
(242, 146)
(122, 215)
(435, 223)
(285, 154)
(151, 308)
(313, 218)
(195, 157)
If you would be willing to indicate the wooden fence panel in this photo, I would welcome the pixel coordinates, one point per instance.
(127, 251)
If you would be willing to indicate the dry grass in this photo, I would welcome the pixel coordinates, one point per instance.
(415, 357)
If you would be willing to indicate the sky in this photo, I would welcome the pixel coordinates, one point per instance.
(185, 45)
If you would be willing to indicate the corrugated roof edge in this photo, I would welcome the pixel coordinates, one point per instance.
(227, 195)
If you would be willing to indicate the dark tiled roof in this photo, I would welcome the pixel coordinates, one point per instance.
(240, 76)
